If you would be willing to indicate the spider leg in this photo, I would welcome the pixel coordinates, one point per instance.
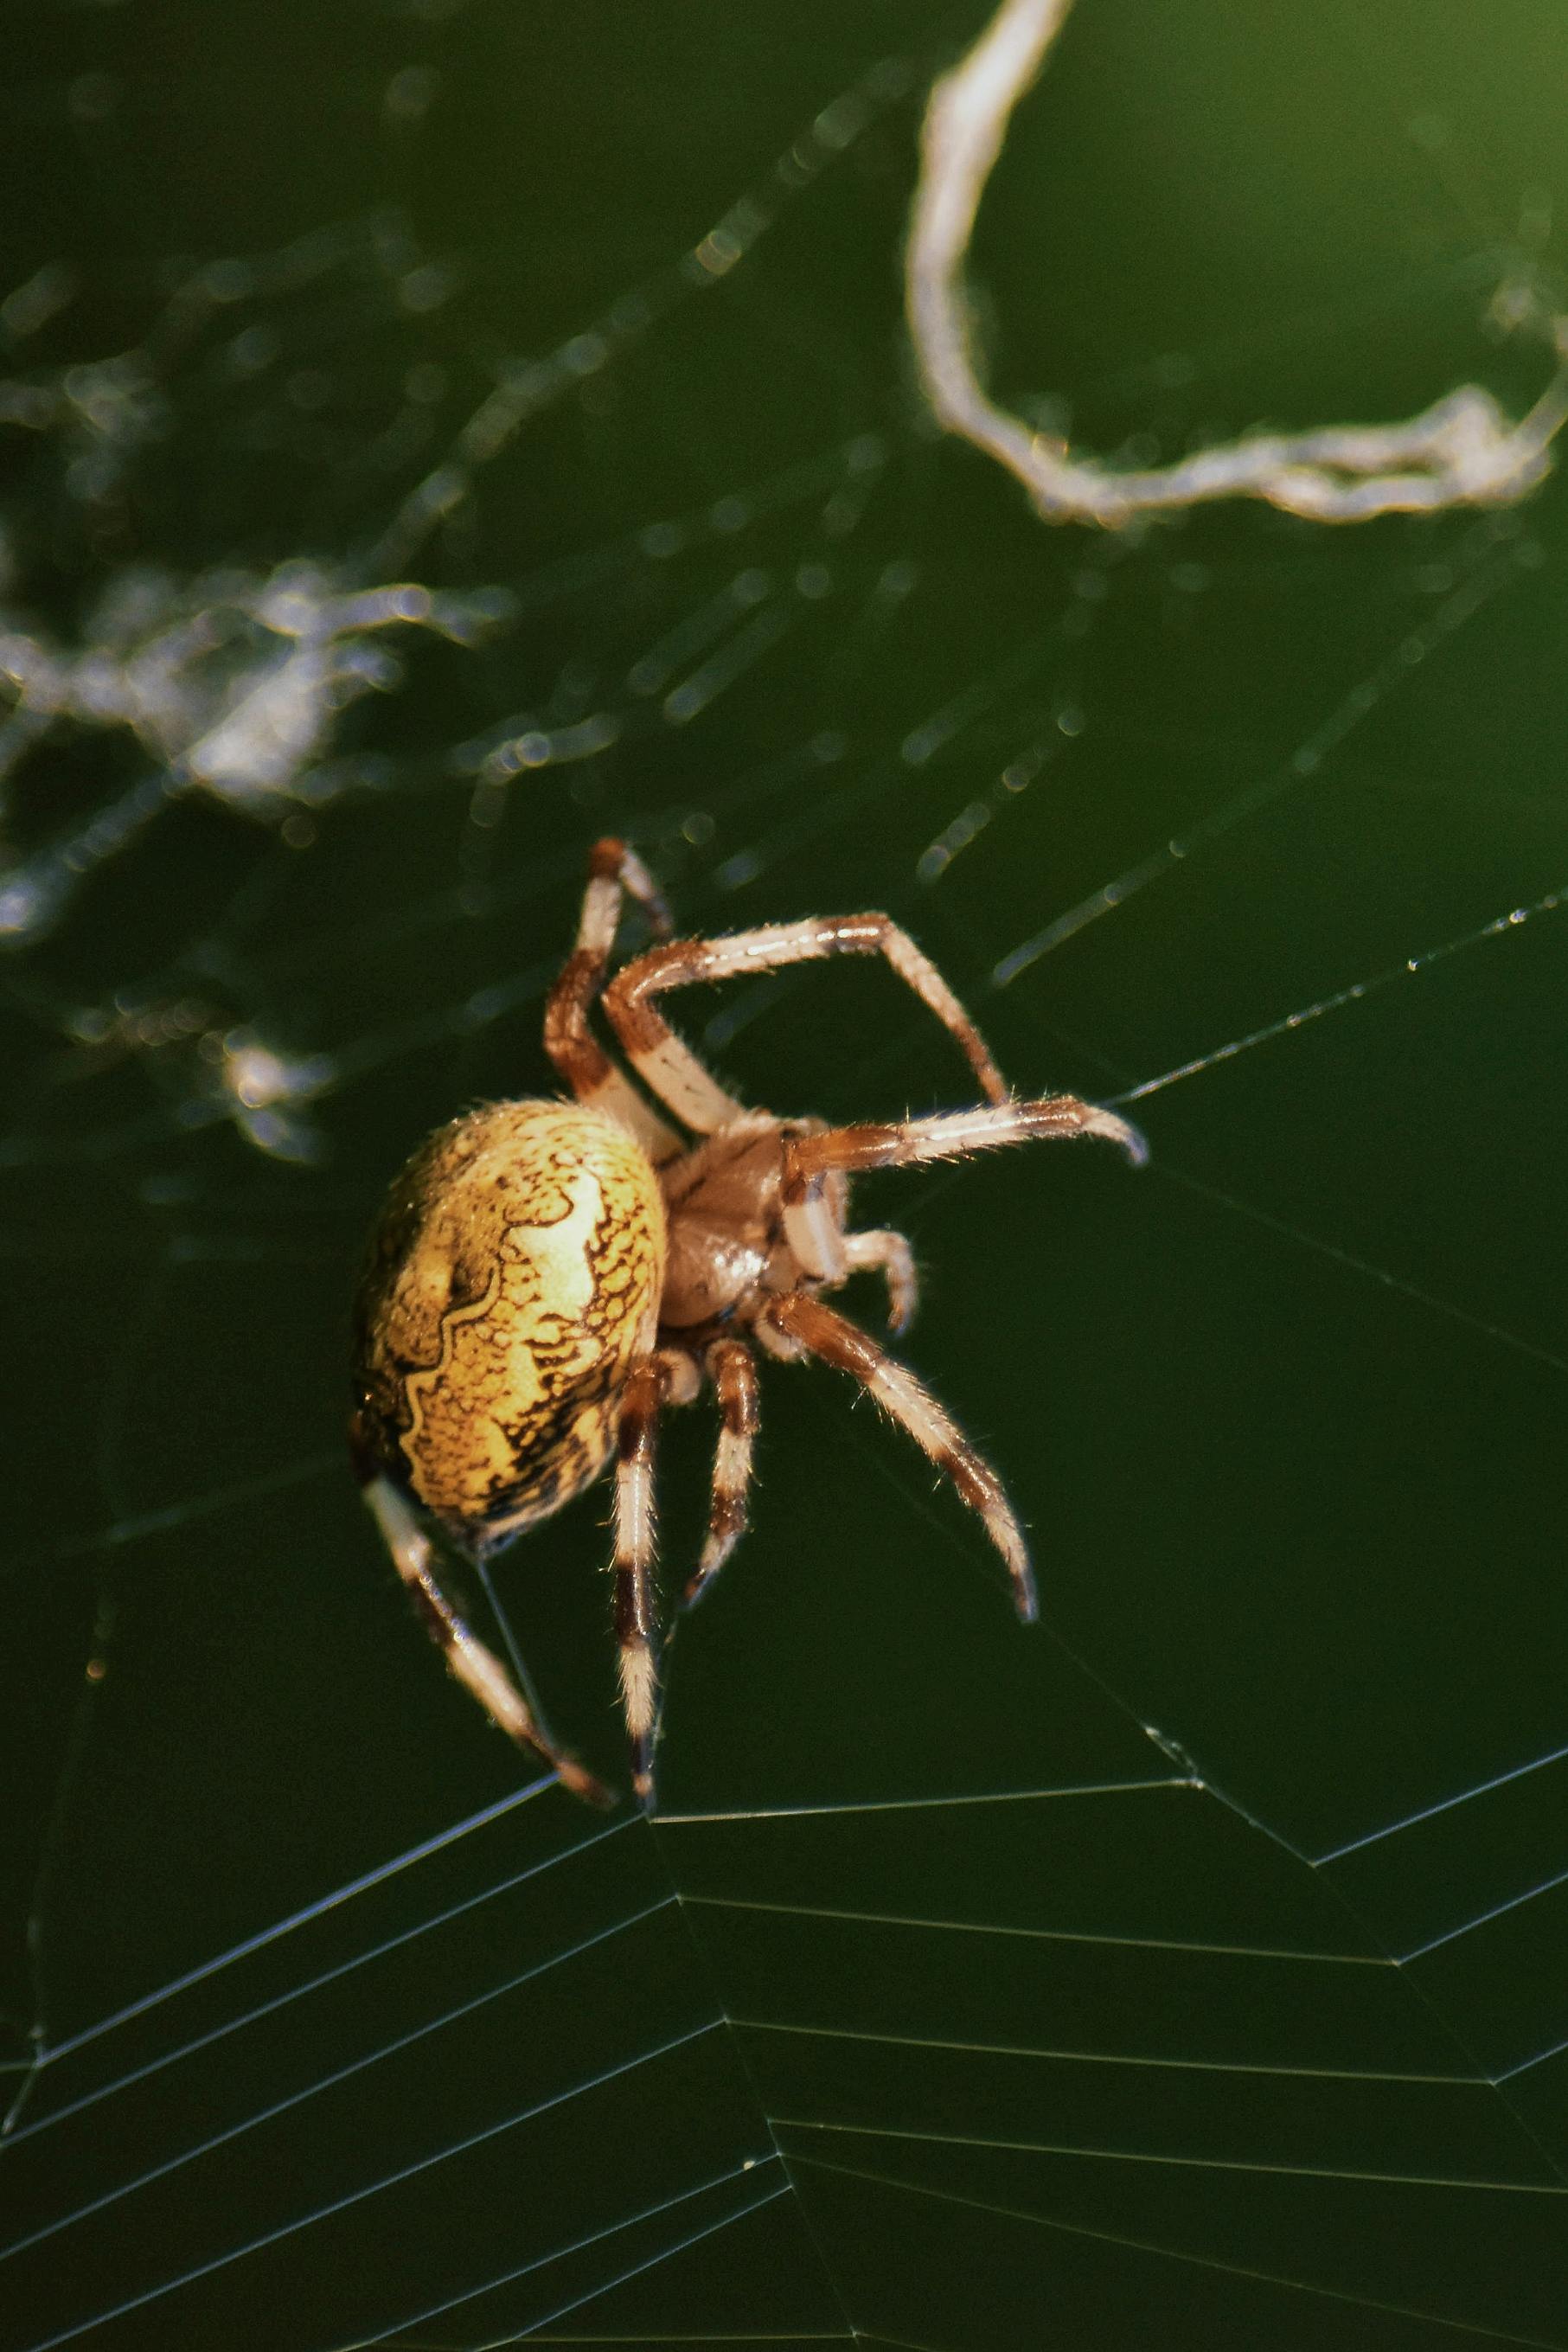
(613, 871)
(812, 1230)
(476, 1667)
(907, 1401)
(733, 1375)
(673, 1072)
(636, 1627)
(889, 1255)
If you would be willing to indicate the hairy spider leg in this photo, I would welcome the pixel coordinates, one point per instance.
(835, 1340)
(813, 1232)
(615, 872)
(733, 1371)
(882, 1251)
(673, 1072)
(476, 1667)
(636, 1627)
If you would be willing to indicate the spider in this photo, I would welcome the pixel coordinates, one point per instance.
(547, 1276)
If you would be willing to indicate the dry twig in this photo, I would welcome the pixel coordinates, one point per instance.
(1462, 451)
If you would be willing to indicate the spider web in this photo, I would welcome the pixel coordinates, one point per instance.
(436, 434)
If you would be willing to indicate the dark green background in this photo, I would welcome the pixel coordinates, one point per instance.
(1133, 2061)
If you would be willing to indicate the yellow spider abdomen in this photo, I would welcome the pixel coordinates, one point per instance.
(514, 1278)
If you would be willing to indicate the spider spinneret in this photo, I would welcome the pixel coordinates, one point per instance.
(547, 1276)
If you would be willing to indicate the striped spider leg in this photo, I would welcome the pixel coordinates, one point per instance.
(810, 1328)
(478, 1668)
(636, 1622)
(828, 1253)
(812, 1161)
(672, 1375)
(672, 1071)
(732, 1368)
(614, 874)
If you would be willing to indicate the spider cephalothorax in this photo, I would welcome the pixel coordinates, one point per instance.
(547, 1275)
